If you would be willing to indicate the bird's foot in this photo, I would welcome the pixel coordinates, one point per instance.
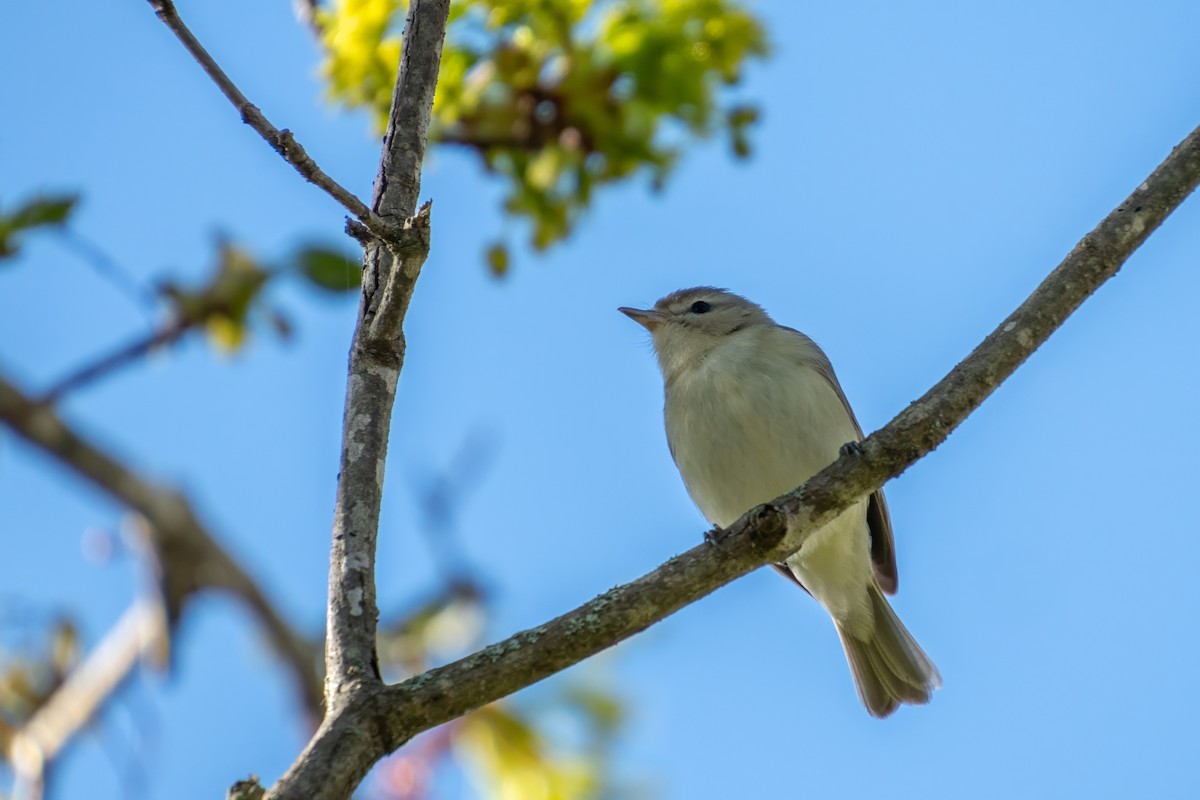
(852, 449)
(715, 536)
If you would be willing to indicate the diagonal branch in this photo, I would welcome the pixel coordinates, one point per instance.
(111, 362)
(189, 557)
(282, 141)
(375, 720)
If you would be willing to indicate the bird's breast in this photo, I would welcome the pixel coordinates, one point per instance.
(743, 432)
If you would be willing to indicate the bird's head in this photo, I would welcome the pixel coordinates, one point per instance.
(688, 324)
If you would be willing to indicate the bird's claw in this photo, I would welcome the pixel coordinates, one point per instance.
(714, 536)
(852, 449)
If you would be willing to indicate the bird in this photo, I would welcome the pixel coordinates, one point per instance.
(752, 410)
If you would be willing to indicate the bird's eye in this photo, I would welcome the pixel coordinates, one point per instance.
(700, 307)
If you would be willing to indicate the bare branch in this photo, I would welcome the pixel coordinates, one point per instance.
(140, 634)
(376, 356)
(281, 140)
(375, 719)
(188, 555)
(107, 268)
(125, 355)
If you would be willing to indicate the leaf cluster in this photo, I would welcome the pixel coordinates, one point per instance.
(559, 97)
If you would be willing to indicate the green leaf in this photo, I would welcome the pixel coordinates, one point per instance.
(329, 269)
(37, 212)
(45, 211)
(497, 260)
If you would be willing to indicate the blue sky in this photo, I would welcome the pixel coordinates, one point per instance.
(920, 167)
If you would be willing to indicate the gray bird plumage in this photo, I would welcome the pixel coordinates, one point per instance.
(754, 409)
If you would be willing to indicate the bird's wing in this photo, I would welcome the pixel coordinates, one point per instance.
(883, 547)
(786, 571)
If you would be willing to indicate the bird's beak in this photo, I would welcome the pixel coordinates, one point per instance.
(647, 318)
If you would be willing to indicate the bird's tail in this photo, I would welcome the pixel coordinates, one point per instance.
(889, 666)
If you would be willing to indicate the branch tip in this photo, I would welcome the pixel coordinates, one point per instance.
(359, 232)
(282, 141)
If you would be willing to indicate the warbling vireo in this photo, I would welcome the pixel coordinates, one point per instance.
(753, 410)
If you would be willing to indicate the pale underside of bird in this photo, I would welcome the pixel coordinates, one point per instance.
(752, 410)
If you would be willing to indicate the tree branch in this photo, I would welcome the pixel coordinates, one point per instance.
(123, 356)
(376, 719)
(105, 266)
(187, 554)
(282, 141)
(376, 357)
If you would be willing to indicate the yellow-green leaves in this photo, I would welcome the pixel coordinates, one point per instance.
(224, 304)
(553, 744)
(560, 96)
(511, 760)
(557, 747)
(363, 53)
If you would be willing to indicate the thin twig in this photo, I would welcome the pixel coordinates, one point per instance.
(375, 720)
(124, 356)
(108, 268)
(281, 140)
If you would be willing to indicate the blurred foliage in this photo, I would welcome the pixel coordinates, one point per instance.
(329, 268)
(441, 627)
(228, 303)
(512, 759)
(497, 259)
(559, 96)
(224, 303)
(233, 297)
(50, 210)
(35, 658)
(516, 751)
(553, 744)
